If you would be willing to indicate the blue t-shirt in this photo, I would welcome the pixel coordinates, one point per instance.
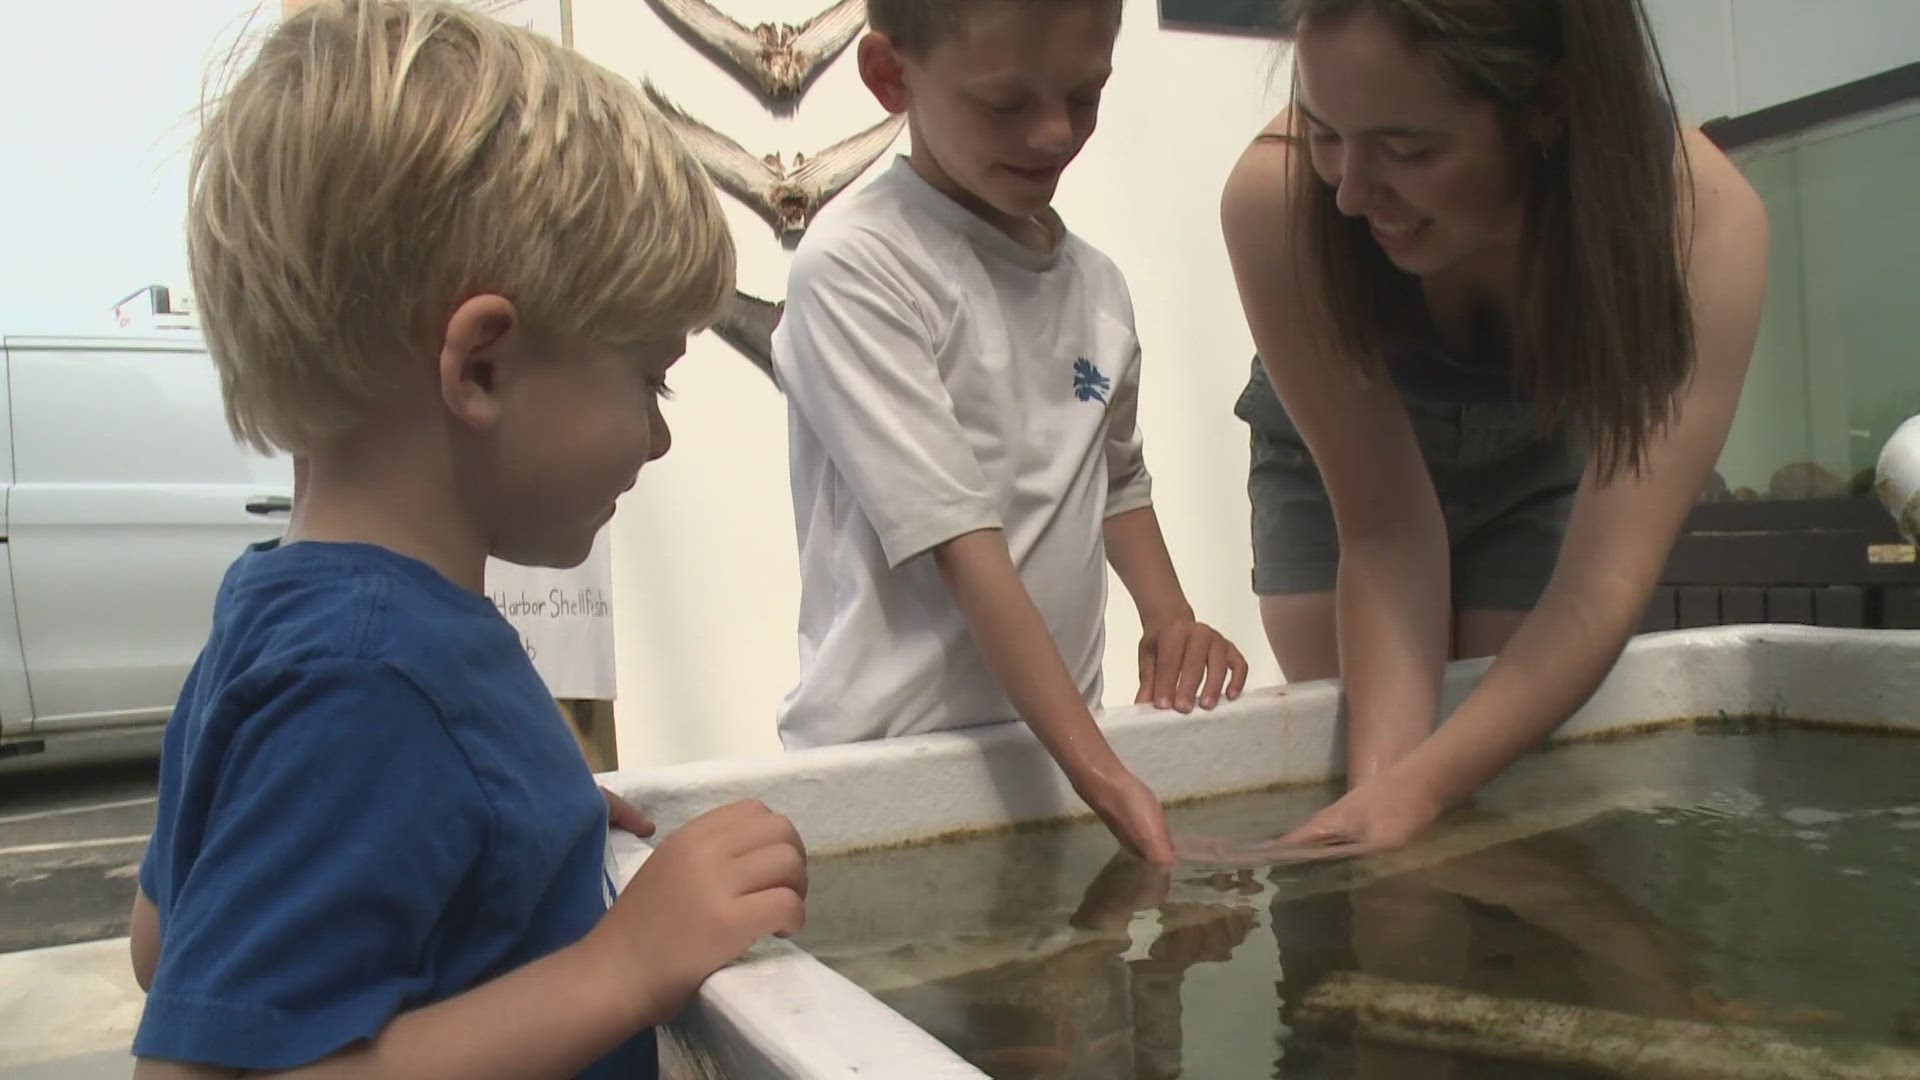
(368, 803)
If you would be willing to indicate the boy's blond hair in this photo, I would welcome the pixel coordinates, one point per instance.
(377, 162)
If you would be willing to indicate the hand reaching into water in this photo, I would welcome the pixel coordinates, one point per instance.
(1132, 812)
(1378, 815)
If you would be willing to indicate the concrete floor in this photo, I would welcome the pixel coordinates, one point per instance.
(71, 839)
(71, 1009)
(109, 1066)
(73, 825)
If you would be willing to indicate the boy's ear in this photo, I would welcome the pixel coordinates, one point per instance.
(473, 357)
(884, 71)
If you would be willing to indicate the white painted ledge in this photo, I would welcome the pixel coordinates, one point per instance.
(781, 1013)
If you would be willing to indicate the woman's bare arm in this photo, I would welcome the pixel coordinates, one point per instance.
(1621, 532)
(1392, 595)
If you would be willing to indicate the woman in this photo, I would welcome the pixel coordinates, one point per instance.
(1504, 305)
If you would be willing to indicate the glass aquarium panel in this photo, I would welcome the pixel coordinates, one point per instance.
(1835, 369)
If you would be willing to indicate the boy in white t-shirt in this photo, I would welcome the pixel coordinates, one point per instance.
(962, 376)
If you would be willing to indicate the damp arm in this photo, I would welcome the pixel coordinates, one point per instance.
(1020, 651)
(1392, 593)
(1621, 531)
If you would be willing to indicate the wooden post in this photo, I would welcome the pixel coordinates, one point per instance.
(592, 724)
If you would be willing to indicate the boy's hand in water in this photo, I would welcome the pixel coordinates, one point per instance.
(1131, 811)
(1185, 662)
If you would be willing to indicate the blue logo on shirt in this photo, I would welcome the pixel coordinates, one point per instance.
(1088, 383)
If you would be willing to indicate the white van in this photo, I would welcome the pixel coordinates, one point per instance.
(123, 499)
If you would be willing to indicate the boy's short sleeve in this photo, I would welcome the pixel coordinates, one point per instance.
(1129, 486)
(857, 361)
(307, 869)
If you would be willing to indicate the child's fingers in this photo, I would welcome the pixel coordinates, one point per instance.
(776, 866)
(1217, 657)
(1148, 653)
(1193, 669)
(1166, 683)
(1237, 664)
(625, 816)
(778, 911)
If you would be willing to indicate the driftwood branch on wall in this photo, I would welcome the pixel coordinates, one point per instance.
(747, 324)
(786, 195)
(778, 60)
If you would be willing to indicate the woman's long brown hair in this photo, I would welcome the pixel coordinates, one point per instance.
(1602, 333)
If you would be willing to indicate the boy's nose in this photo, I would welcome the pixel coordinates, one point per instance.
(1053, 133)
(662, 440)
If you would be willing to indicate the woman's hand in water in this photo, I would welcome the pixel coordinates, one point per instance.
(1379, 814)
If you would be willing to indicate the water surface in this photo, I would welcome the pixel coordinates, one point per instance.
(1753, 877)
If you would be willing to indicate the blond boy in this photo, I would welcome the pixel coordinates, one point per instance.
(446, 263)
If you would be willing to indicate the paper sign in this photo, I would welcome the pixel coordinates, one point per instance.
(565, 620)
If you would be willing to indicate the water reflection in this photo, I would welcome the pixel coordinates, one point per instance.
(1047, 981)
(1526, 919)
(1103, 998)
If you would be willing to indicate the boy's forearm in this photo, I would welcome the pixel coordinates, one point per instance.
(143, 939)
(552, 1018)
(1010, 633)
(1137, 551)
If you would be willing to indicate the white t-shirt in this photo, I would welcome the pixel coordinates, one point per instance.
(941, 379)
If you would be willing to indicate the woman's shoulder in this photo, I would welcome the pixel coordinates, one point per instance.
(1263, 182)
(1713, 192)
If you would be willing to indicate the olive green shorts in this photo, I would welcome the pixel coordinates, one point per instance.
(1505, 488)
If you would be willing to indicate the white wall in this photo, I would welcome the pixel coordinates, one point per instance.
(1728, 57)
(704, 556)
